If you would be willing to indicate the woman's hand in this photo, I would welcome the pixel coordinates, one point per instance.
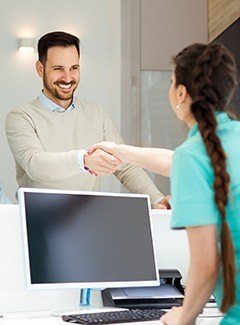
(108, 146)
(173, 317)
(158, 161)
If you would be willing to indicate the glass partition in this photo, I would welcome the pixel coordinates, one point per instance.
(159, 125)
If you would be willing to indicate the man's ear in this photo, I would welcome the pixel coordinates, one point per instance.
(39, 68)
(181, 93)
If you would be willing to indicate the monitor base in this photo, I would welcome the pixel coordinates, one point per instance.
(84, 307)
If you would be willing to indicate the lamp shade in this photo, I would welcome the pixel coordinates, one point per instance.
(26, 45)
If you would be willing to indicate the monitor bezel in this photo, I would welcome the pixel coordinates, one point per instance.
(79, 285)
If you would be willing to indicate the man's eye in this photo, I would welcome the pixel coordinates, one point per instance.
(57, 69)
(75, 68)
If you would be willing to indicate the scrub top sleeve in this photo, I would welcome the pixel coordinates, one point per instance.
(191, 189)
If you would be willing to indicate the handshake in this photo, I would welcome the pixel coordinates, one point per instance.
(105, 158)
(101, 159)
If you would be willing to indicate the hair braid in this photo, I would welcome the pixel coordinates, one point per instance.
(205, 100)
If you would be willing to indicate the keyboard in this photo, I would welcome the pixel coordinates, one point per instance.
(124, 316)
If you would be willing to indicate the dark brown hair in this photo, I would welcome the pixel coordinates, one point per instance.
(209, 74)
(56, 39)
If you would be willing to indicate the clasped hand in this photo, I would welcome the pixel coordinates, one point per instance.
(105, 157)
(101, 159)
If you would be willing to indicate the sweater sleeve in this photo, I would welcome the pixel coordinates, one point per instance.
(133, 178)
(28, 152)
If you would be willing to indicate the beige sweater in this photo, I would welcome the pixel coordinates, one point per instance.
(45, 146)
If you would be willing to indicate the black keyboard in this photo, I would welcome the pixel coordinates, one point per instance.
(124, 316)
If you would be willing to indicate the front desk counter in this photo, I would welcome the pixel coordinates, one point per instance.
(45, 319)
(171, 250)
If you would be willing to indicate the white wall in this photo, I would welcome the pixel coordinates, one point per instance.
(95, 22)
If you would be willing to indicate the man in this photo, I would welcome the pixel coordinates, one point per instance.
(49, 136)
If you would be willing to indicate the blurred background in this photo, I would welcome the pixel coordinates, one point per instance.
(126, 51)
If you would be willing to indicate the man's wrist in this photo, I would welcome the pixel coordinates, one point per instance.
(85, 168)
(159, 199)
(81, 160)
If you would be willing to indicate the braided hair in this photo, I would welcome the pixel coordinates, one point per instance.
(209, 74)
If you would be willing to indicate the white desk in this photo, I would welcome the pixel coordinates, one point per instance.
(45, 319)
(172, 252)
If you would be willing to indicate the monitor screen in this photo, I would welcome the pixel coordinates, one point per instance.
(87, 239)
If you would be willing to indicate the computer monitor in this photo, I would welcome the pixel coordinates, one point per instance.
(87, 239)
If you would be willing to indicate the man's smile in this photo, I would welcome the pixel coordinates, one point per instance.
(65, 86)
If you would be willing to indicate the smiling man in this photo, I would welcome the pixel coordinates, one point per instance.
(49, 136)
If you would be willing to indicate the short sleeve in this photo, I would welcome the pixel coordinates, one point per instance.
(192, 190)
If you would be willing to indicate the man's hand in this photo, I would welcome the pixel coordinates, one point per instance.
(163, 204)
(108, 146)
(101, 163)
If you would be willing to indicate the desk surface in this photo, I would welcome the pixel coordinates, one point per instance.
(58, 321)
(40, 318)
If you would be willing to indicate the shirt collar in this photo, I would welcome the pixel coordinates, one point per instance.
(52, 106)
(220, 117)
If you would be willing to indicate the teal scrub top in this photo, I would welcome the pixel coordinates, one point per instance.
(193, 195)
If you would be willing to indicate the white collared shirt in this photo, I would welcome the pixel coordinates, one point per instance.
(52, 106)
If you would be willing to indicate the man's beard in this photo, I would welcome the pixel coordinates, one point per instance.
(55, 91)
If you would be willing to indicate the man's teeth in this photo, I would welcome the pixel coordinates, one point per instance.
(65, 86)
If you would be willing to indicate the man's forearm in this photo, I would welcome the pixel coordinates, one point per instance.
(136, 180)
(50, 166)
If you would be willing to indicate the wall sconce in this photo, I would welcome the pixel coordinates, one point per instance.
(26, 45)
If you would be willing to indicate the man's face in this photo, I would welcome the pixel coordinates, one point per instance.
(60, 73)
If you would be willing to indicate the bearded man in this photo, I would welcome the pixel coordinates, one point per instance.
(50, 135)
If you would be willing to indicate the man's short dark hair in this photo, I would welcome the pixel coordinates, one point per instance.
(55, 39)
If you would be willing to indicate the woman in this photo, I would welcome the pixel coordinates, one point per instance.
(205, 179)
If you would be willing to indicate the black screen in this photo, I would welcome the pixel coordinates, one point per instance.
(88, 238)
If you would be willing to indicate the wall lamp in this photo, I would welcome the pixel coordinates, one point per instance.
(26, 45)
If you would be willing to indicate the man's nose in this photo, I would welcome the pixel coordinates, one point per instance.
(67, 76)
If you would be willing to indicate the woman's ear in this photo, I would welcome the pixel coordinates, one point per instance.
(181, 93)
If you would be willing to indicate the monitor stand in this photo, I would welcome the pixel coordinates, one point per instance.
(84, 306)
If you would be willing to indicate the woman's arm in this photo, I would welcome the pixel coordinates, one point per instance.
(203, 272)
(156, 160)
(202, 277)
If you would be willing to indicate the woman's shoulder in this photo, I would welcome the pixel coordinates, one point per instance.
(193, 146)
(192, 154)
